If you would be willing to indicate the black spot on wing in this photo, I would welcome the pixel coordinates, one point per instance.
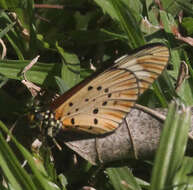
(109, 95)
(95, 121)
(72, 121)
(99, 88)
(95, 111)
(104, 103)
(106, 90)
(90, 88)
(70, 104)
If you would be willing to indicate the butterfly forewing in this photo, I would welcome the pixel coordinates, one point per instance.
(99, 106)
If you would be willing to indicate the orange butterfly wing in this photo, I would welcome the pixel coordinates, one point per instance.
(99, 105)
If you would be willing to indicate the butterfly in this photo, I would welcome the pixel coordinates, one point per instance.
(99, 104)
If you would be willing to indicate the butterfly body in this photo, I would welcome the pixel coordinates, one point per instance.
(99, 104)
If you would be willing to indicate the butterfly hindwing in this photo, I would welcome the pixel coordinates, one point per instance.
(98, 106)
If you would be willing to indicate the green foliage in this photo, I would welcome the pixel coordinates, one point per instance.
(122, 178)
(187, 24)
(172, 147)
(16, 176)
(71, 42)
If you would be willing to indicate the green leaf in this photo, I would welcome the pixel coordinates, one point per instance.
(122, 11)
(122, 179)
(10, 4)
(159, 94)
(186, 6)
(152, 12)
(17, 175)
(184, 178)
(173, 7)
(187, 24)
(128, 23)
(168, 21)
(70, 69)
(107, 7)
(171, 151)
(7, 29)
(37, 74)
(63, 181)
(186, 86)
(61, 84)
(12, 169)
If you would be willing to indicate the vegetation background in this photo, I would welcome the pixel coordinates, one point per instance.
(73, 38)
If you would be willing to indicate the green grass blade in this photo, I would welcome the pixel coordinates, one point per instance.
(16, 175)
(37, 74)
(184, 178)
(187, 6)
(7, 29)
(8, 171)
(172, 147)
(122, 179)
(22, 178)
(128, 23)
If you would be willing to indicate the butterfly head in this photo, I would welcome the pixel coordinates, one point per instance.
(46, 122)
